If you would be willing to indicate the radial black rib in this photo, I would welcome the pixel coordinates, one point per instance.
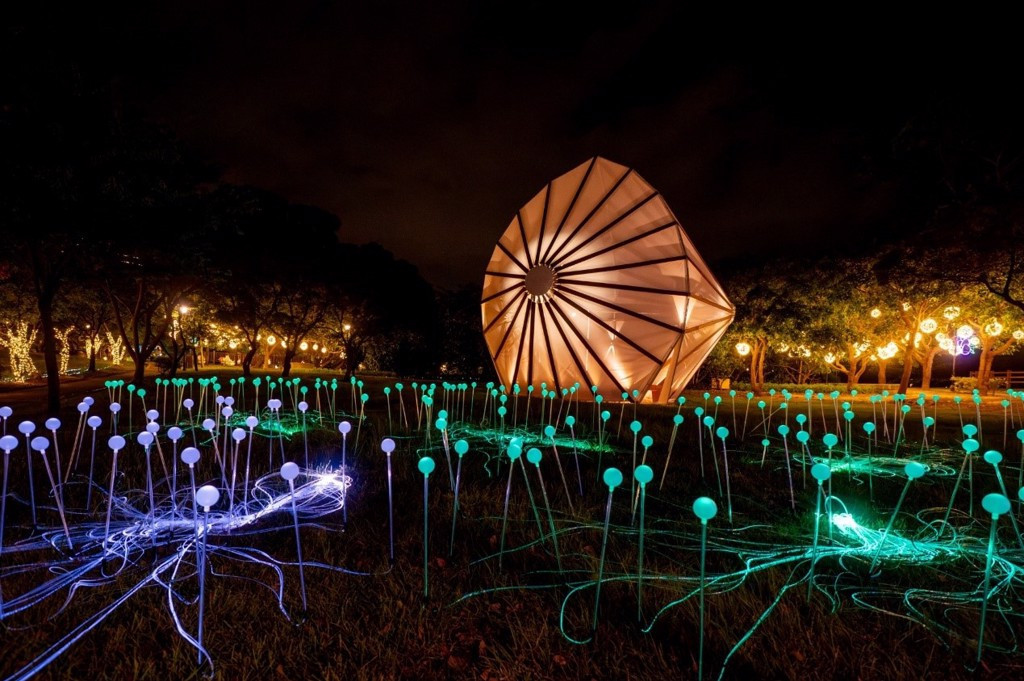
(529, 356)
(522, 235)
(547, 342)
(494, 320)
(623, 287)
(585, 220)
(611, 330)
(543, 220)
(505, 275)
(568, 211)
(596, 355)
(618, 308)
(511, 257)
(572, 351)
(637, 206)
(500, 293)
(624, 266)
(619, 244)
(522, 342)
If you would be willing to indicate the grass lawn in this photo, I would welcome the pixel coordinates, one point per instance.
(918, 618)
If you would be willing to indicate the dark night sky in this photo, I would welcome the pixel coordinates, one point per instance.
(425, 129)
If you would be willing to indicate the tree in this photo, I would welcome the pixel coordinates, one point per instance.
(998, 328)
(773, 308)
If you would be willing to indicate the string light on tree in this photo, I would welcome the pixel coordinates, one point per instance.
(951, 312)
(993, 328)
(743, 348)
(929, 325)
(876, 313)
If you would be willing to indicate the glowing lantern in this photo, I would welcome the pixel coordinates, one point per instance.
(964, 332)
(743, 348)
(829, 358)
(1018, 334)
(876, 313)
(951, 312)
(993, 328)
(316, 346)
(929, 325)
(888, 351)
(271, 340)
(947, 345)
(233, 344)
(303, 346)
(323, 349)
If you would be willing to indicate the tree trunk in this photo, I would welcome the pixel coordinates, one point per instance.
(908, 367)
(50, 355)
(881, 371)
(140, 369)
(926, 369)
(92, 359)
(984, 367)
(286, 365)
(195, 359)
(247, 361)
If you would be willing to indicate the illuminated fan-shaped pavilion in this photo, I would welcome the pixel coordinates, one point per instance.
(595, 282)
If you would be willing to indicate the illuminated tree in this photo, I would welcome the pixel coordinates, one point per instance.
(998, 326)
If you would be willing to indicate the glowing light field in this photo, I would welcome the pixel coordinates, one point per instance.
(847, 524)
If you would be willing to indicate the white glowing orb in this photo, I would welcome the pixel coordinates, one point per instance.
(743, 348)
(964, 332)
(929, 325)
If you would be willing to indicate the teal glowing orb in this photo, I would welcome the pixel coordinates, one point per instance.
(534, 456)
(643, 474)
(705, 509)
(996, 504)
(830, 440)
(461, 447)
(426, 466)
(613, 478)
(914, 470)
(821, 472)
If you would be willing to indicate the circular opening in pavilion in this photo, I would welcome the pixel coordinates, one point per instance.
(540, 280)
